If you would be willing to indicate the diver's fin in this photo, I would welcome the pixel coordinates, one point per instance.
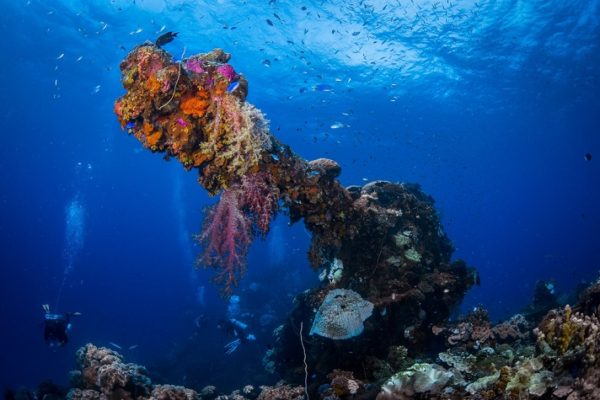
(46, 308)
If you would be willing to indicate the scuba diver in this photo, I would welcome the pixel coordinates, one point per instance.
(239, 330)
(56, 327)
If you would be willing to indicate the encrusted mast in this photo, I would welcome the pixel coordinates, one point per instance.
(382, 241)
(195, 111)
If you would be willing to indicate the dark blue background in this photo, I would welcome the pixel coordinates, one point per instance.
(493, 120)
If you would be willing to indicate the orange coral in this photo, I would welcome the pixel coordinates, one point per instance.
(147, 128)
(153, 84)
(153, 139)
(119, 112)
(220, 87)
(199, 157)
(194, 106)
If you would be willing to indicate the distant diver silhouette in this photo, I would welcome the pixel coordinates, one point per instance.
(56, 327)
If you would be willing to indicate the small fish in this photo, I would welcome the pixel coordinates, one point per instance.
(96, 89)
(323, 87)
(269, 22)
(165, 38)
(116, 346)
(79, 58)
(181, 122)
(337, 125)
(275, 157)
(130, 125)
(60, 56)
(232, 86)
(138, 30)
(476, 278)
(266, 63)
(588, 157)
(135, 346)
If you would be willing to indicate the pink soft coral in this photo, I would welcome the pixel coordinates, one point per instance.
(226, 236)
(228, 229)
(259, 197)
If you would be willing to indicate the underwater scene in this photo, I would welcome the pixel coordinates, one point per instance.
(324, 200)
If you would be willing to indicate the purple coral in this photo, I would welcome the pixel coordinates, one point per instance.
(194, 65)
(227, 71)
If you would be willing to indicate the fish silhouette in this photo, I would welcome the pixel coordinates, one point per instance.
(165, 38)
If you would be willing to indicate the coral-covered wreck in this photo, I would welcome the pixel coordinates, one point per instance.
(388, 282)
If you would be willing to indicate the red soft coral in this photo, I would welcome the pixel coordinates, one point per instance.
(228, 229)
(259, 197)
(226, 237)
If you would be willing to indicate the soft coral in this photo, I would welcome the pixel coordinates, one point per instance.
(226, 237)
(228, 229)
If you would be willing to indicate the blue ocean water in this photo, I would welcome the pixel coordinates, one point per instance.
(490, 105)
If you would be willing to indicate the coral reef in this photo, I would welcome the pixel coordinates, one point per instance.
(386, 237)
(101, 374)
(419, 379)
(560, 361)
(382, 241)
(281, 392)
(409, 297)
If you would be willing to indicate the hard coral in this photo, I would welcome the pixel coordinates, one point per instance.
(515, 328)
(103, 375)
(171, 392)
(563, 331)
(281, 392)
(418, 381)
(344, 384)
(103, 371)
